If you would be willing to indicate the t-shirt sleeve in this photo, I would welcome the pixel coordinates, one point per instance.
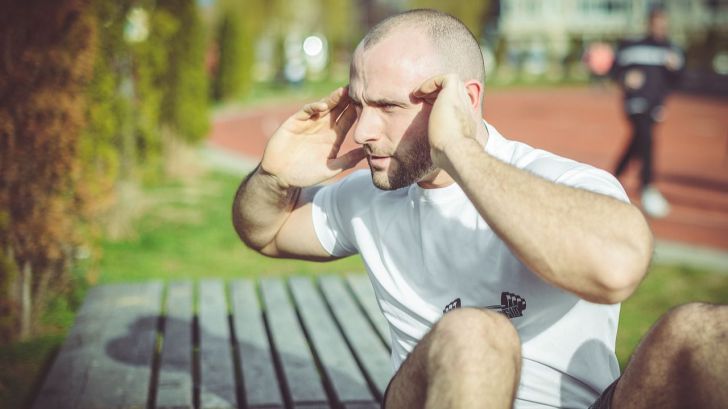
(332, 215)
(595, 180)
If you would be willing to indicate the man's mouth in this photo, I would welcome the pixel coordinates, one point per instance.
(378, 162)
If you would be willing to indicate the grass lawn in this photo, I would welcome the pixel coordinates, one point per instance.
(185, 232)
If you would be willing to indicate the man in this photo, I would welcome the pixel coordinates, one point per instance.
(645, 70)
(498, 266)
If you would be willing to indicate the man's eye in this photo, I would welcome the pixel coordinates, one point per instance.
(388, 107)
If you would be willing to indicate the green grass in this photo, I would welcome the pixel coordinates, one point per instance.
(186, 233)
(664, 287)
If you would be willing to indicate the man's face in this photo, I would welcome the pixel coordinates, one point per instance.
(658, 26)
(391, 124)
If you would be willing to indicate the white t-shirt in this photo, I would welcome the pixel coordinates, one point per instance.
(426, 248)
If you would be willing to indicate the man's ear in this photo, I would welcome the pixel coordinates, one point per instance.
(475, 91)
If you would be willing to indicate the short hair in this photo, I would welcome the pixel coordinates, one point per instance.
(456, 46)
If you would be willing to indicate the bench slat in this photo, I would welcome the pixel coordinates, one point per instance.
(217, 375)
(114, 361)
(362, 288)
(256, 362)
(336, 359)
(65, 381)
(119, 376)
(301, 376)
(174, 387)
(368, 347)
(106, 360)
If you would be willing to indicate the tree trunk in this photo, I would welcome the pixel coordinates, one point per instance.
(25, 301)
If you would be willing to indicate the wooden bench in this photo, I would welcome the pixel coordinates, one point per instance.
(296, 343)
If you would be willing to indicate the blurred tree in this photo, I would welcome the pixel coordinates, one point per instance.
(184, 82)
(149, 63)
(342, 30)
(48, 59)
(106, 111)
(472, 13)
(233, 70)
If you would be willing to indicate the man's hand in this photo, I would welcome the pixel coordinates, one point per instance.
(451, 118)
(304, 151)
(673, 62)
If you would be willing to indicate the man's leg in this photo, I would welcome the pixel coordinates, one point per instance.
(630, 150)
(470, 358)
(681, 363)
(643, 124)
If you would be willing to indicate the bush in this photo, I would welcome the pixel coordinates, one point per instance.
(48, 62)
(184, 82)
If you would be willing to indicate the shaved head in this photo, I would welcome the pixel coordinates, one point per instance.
(388, 67)
(455, 47)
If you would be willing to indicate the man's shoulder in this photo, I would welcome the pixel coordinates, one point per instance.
(527, 157)
(558, 169)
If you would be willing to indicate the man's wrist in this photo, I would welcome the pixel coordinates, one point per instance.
(458, 153)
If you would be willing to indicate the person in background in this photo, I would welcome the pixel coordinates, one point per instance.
(646, 70)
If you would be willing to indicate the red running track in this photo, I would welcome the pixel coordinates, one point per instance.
(691, 146)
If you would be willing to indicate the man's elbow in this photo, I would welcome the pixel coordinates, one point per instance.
(620, 277)
(252, 241)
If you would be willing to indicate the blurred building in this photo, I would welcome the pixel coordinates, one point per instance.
(539, 37)
(604, 19)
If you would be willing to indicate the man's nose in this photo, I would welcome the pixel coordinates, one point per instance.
(367, 127)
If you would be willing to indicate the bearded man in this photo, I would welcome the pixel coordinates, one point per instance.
(499, 267)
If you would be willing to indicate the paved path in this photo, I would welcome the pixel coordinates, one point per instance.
(587, 125)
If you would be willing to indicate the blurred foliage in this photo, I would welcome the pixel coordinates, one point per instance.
(149, 63)
(237, 30)
(185, 85)
(230, 74)
(49, 50)
(342, 29)
(82, 112)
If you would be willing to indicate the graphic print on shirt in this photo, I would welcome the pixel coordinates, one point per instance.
(512, 305)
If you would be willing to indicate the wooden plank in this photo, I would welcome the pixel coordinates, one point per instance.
(362, 288)
(302, 380)
(65, 381)
(336, 359)
(256, 361)
(109, 356)
(217, 375)
(369, 349)
(175, 381)
(120, 376)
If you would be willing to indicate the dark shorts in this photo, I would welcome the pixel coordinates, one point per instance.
(604, 401)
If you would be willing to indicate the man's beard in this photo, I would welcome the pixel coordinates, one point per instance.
(405, 168)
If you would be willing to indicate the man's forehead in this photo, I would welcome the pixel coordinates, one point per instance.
(393, 67)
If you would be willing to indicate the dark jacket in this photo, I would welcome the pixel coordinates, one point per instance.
(646, 58)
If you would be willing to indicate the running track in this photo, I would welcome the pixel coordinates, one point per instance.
(691, 146)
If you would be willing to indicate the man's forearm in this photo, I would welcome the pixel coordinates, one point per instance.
(260, 208)
(586, 243)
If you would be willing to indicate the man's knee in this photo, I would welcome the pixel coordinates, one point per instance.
(693, 319)
(473, 331)
(691, 327)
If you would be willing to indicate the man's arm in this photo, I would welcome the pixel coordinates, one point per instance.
(272, 207)
(590, 244)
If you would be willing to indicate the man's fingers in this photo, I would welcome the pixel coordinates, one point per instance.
(345, 121)
(347, 160)
(314, 108)
(429, 89)
(339, 98)
(431, 85)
